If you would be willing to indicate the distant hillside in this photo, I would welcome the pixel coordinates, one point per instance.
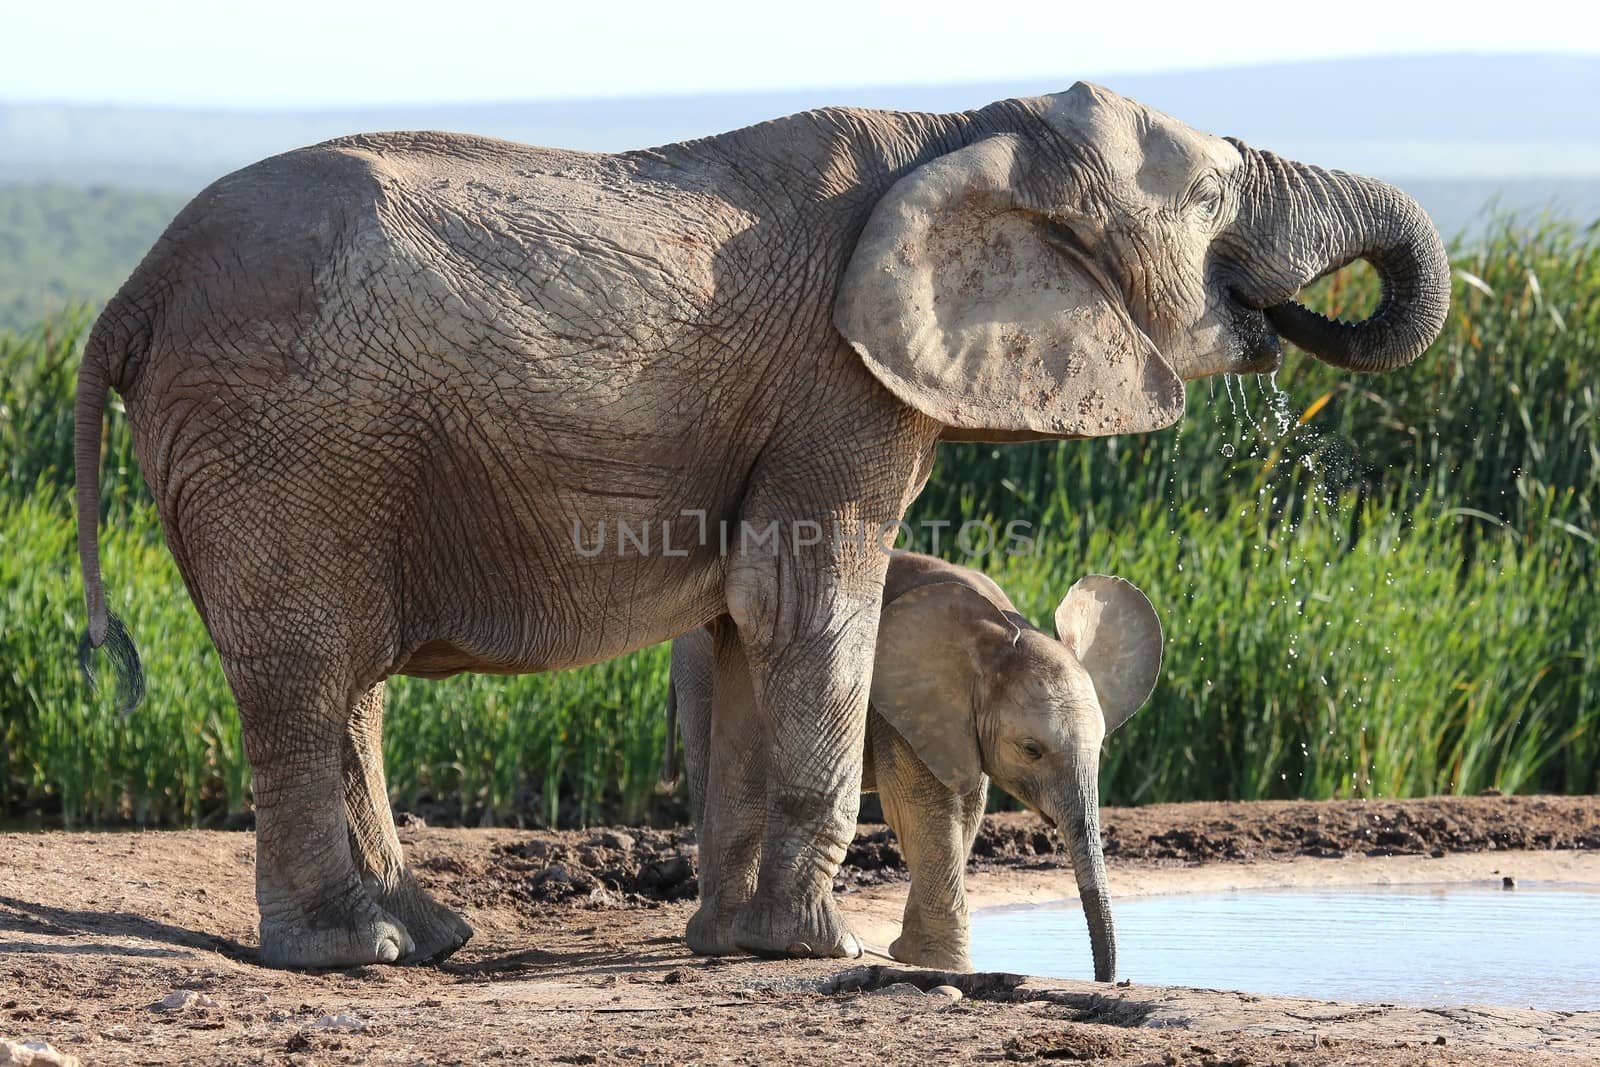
(1435, 117)
(1463, 208)
(1456, 131)
(61, 245)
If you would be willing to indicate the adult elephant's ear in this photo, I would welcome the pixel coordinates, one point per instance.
(969, 308)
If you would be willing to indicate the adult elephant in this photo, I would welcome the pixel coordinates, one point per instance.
(406, 402)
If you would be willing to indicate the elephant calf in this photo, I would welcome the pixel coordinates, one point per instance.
(964, 688)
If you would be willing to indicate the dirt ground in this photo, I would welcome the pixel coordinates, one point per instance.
(140, 948)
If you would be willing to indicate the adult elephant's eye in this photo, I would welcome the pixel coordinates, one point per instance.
(1030, 749)
(1205, 199)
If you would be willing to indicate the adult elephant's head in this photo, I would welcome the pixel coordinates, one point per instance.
(1064, 275)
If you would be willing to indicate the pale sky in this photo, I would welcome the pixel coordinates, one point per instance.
(330, 53)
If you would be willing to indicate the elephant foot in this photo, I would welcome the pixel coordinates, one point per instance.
(710, 931)
(795, 928)
(436, 931)
(922, 951)
(349, 932)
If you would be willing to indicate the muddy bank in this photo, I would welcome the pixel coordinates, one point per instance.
(140, 948)
(637, 867)
(1434, 826)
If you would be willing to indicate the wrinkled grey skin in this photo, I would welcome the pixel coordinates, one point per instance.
(964, 689)
(375, 384)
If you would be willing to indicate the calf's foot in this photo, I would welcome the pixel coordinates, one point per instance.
(919, 950)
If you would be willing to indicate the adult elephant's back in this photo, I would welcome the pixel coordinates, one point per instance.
(433, 363)
(441, 254)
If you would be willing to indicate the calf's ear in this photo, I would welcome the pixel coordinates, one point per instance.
(1114, 631)
(934, 644)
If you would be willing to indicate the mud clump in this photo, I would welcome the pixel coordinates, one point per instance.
(607, 868)
(873, 857)
(1015, 840)
(1081, 1043)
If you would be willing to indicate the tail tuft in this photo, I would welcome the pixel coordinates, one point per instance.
(124, 657)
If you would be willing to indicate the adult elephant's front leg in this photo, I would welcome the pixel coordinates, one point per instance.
(808, 617)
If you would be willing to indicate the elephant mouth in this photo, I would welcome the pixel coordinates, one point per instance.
(1260, 350)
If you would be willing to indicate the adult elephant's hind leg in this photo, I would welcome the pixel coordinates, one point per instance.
(730, 753)
(435, 930)
(315, 912)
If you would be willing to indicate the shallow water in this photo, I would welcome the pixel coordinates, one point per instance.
(1534, 946)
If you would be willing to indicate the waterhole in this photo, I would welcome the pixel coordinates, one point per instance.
(1537, 945)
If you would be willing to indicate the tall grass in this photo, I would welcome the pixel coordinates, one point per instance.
(1504, 407)
(1370, 587)
(68, 751)
(1296, 667)
(38, 381)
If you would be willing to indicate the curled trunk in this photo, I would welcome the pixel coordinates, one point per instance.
(1297, 223)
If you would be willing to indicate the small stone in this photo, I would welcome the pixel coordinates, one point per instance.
(851, 981)
(900, 989)
(278, 1015)
(949, 992)
(617, 840)
(342, 1021)
(555, 874)
(1508, 882)
(183, 1000)
(34, 1054)
(661, 875)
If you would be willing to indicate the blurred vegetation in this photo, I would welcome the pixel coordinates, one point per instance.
(1370, 586)
(61, 245)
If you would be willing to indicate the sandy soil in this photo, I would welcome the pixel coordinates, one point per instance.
(578, 957)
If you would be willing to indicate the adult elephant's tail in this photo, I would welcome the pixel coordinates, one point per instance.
(104, 627)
